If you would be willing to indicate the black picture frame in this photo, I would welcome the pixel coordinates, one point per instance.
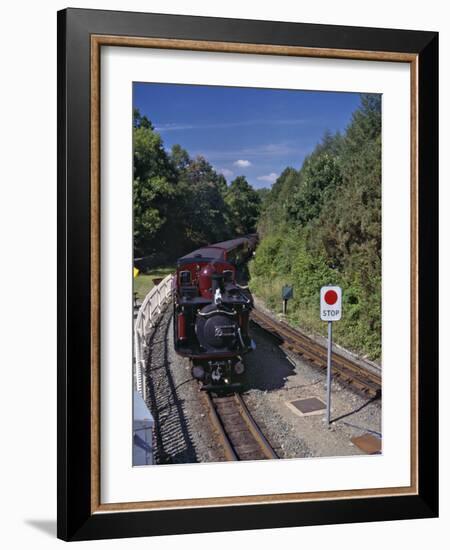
(76, 521)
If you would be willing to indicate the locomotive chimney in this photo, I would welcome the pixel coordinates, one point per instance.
(217, 282)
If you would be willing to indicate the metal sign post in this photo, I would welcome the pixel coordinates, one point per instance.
(330, 310)
(330, 345)
(287, 293)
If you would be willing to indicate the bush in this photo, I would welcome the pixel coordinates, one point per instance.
(284, 259)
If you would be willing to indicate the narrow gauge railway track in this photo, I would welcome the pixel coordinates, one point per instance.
(240, 435)
(354, 375)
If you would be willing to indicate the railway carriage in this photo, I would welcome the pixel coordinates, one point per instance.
(211, 311)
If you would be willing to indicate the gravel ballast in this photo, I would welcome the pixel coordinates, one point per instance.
(183, 433)
(276, 378)
(273, 377)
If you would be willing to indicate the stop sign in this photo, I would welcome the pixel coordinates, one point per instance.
(330, 303)
(330, 297)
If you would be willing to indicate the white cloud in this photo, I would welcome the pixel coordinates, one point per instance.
(242, 163)
(271, 178)
(275, 150)
(225, 172)
(177, 126)
(171, 126)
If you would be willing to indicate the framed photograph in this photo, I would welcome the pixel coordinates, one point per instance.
(247, 252)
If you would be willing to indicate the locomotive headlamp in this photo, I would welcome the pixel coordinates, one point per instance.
(198, 372)
(239, 367)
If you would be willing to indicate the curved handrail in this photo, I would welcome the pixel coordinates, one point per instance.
(148, 313)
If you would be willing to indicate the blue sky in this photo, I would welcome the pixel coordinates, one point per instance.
(244, 131)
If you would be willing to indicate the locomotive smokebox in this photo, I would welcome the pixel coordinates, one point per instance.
(217, 329)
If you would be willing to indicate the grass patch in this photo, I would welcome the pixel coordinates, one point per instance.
(143, 283)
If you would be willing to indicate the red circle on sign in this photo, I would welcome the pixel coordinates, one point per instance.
(330, 297)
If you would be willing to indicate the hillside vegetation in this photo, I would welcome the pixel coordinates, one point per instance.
(321, 225)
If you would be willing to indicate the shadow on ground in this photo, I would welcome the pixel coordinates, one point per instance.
(174, 444)
(267, 367)
(47, 526)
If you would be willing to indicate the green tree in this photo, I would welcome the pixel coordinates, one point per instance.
(243, 205)
(180, 202)
(317, 180)
(154, 190)
(275, 207)
(180, 158)
(204, 209)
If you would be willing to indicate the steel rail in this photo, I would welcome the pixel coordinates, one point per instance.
(240, 435)
(353, 374)
(265, 446)
(227, 447)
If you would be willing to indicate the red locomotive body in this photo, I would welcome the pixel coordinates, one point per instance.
(211, 311)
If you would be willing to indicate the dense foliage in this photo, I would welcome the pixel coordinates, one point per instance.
(181, 203)
(321, 225)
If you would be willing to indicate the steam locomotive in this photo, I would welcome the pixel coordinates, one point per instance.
(211, 311)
